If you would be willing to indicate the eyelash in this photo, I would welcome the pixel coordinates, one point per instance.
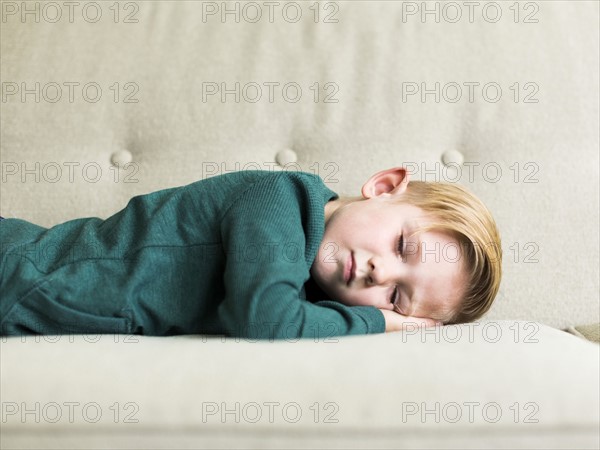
(400, 248)
(394, 293)
(400, 245)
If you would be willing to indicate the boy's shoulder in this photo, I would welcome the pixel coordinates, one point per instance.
(255, 176)
(238, 183)
(267, 190)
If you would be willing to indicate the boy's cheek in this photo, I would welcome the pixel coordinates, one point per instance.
(325, 272)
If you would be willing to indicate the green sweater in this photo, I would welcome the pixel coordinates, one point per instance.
(227, 255)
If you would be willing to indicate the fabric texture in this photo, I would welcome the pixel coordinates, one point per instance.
(491, 385)
(227, 255)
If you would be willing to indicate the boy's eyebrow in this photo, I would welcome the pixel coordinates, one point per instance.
(418, 239)
(409, 288)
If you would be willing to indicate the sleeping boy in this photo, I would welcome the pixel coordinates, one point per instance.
(257, 254)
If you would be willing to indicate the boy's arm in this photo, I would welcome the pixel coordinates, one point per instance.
(263, 233)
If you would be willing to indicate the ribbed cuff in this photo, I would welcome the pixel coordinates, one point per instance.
(372, 317)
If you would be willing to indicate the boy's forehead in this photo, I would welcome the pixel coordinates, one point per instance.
(443, 277)
(440, 308)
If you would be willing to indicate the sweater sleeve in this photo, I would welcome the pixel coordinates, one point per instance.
(266, 269)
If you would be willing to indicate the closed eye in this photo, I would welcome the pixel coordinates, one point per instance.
(400, 246)
(393, 298)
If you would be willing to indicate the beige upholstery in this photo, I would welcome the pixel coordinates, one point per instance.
(493, 385)
(531, 154)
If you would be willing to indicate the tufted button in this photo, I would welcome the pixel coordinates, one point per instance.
(453, 157)
(121, 158)
(286, 156)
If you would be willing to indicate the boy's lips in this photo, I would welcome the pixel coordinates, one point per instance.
(349, 269)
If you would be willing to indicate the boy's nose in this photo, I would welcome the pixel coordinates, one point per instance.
(379, 273)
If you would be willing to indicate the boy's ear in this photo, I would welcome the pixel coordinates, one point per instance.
(386, 183)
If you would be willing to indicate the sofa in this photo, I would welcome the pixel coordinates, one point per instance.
(102, 101)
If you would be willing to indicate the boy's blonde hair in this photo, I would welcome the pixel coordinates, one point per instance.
(455, 210)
